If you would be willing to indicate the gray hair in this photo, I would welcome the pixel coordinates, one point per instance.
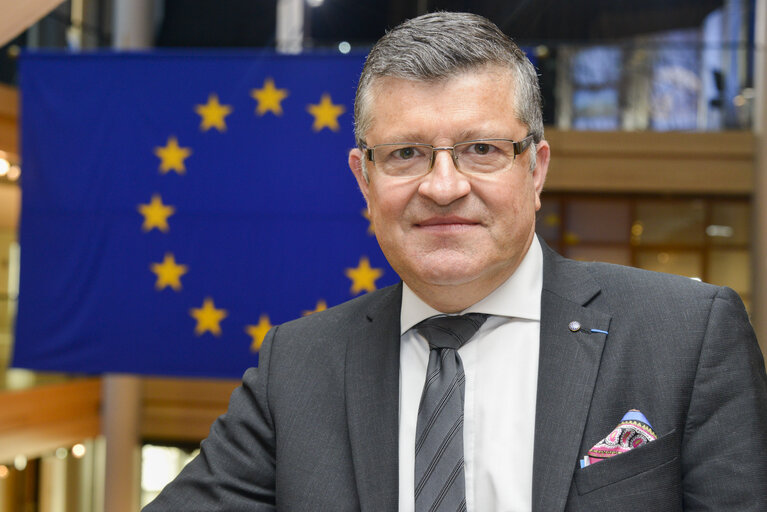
(437, 46)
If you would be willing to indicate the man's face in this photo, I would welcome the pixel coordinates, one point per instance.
(447, 231)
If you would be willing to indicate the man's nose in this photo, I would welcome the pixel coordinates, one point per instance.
(444, 184)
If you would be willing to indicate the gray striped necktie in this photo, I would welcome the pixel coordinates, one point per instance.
(439, 476)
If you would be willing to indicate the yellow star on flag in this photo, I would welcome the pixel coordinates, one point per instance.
(363, 277)
(156, 214)
(168, 272)
(325, 113)
(371, 229)
(172, 156)
(258, 332)
(321, 306)
(269, 98)
(213, 114)
(208, 318)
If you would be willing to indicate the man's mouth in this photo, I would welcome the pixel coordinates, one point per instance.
(446, 223)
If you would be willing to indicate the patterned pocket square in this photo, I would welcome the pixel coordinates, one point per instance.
(632, 432)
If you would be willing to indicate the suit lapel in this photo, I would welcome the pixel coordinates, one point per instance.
(372, 391)
(567, 370)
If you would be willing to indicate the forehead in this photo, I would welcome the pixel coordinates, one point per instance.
(480, 100)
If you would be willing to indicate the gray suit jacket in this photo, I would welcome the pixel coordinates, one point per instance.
(315, 427)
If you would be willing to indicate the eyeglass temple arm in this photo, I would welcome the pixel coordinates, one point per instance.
(522, 145)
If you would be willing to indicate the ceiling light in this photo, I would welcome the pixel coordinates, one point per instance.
(78, 451)
(720, 231)
(14, 172)
(20, 463)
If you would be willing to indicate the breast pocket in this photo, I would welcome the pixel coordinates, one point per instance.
(662, 451)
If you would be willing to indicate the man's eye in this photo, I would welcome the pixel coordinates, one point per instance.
(405, 153)
(482, 148)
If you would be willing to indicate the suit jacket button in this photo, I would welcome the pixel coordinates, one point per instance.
(574, 326)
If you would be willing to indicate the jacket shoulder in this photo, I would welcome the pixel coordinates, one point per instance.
(621, 284)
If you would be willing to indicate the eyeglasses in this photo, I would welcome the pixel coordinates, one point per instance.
(413, 159)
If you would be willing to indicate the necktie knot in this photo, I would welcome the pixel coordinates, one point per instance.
(450, 331)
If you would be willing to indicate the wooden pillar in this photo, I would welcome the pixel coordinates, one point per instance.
(133, 28)
(121, 422)
(53, 484)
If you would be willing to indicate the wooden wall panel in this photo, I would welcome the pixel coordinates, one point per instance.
(182, 410)
(10, 206)
(651, 162)
(40, 419)
(689, 176)
(9, 119)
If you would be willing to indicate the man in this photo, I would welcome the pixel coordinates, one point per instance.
(451, 160)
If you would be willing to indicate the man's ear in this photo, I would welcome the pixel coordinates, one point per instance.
(355, 164)
(542, 157)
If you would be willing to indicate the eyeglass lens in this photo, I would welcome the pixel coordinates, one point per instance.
(480, 157)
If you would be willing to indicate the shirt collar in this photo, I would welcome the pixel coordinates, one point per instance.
(519, 296)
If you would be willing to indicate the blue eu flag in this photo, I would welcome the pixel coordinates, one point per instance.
(177, 205)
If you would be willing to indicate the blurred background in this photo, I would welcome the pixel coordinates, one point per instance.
(653, 110)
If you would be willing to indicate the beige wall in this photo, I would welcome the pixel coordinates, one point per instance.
(41, 419)
(9, 113)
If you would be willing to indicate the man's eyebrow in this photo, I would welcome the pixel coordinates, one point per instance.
(475, 134)
(404, 137)
(463, 135)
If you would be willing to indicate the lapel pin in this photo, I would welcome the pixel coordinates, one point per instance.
(574, 326)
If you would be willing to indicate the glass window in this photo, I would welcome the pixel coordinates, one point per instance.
(596, 110)
(676, 82)
(596, 66)
(683, 263)
(160, 465)
(730, 223)
(595, 102)
(669, 222)
(730, 268)
(703, 238)
(597, 221)
(617, 255)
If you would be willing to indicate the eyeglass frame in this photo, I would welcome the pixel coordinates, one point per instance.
(519, 147)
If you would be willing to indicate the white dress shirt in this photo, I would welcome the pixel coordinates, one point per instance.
(501, 367)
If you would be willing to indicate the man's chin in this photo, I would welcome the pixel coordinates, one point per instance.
(440, 266)
(450, 275)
